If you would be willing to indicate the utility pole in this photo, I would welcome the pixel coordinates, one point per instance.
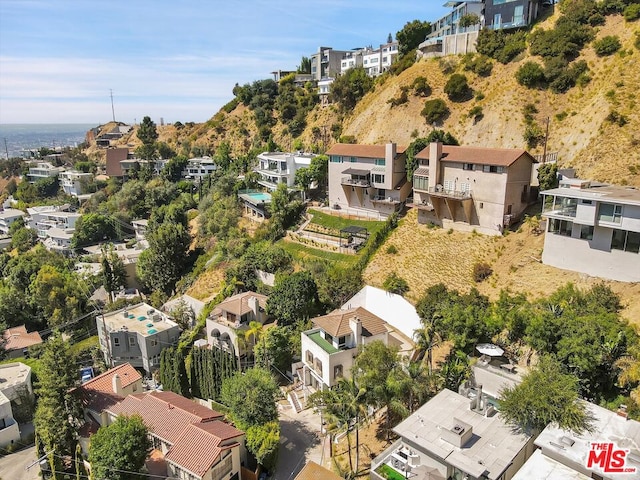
(113, 112)
(546, 138)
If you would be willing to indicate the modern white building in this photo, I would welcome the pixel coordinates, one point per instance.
(43, 170)
(278, 167)
(72, 182)
(7, 217)
(454, 437)
(593, 228)
(324, 90)
(54, 226)
(136, 335)
(200, 167)
(9, 430)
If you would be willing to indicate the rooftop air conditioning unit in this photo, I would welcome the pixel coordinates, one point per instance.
(125, 314)
(150, 311)
(157, 317)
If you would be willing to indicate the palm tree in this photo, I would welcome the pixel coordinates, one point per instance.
(353, 398)
(418, 384)
(427, 338)
(255, 330)
(629, 366)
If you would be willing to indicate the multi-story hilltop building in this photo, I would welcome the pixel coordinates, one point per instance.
(72, 181)
(43, 170)
(326, 62)
(472, 188)
(367, 178)
(278, 167)
(200, 167)
(593, 228)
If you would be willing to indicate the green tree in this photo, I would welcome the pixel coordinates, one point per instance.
(435, 111)
(350, 87)
(264, 442)
(93, 228)
(275, 348)
(57, 294)
(183, 314)
(454, 370)
(251, 397)
(469, 20)
(119, 449)
(412, 34)
(148, 135)
(163, 263)
(113, 273)
(530, 74)
(173, 169)
(23, 239)
(395, 284)
(607, 45)
(377, 369)
(305, 65)
(547, 395)
(548, 176)
(57, 409)
(293, 298)
(457, 88)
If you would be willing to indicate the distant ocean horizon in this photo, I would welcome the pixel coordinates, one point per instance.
(24, 136)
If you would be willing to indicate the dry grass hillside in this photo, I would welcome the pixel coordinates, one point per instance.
(427, 256)
(583, 139)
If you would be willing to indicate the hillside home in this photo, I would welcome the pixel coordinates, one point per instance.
(504, 14)
(43, 170)
(7, 217)
(593, 228)
(193, 440)
(9, 430)
(278, 167)
(42, 219)
(17, 340)
(454, 437)
(114, 157)
(227, 323)
(329, 348)
(472, 188)
(367, 178)
(324, 90)
(199, 167)
(106, 390)
(136, 335)
(326, 62)
(73, 182)
(562, 454)
(129, 256)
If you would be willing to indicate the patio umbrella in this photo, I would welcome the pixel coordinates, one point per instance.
(490, 349)
(426, 473)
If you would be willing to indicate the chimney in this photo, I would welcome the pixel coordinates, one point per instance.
(390, 153)
(479, 404)
(435, 154)
(355, 324)
(116, 384)
(253, 304)
(622, 411)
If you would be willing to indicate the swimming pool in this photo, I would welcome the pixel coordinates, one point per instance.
(260, 196)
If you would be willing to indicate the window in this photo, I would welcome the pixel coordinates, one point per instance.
(342, 341)
(509, 207)
(467, 166)
(627, 241)
(337, 371)
(353, 159)
(618, 239)
(154, 342)
(465, 187)
(380, 162)
(609, 212)
(336, 159)
(481, 204)
(116, 342)
(633, 242)
(377, 178)
(132, 341)
(587, 202)
(309, 357)
(328, 337)
(560, 227)
(586, 232)
(421, 183)
(492, 169)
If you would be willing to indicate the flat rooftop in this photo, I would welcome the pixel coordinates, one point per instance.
(573, 449)
(541, 467)
(11, 212)
(13, 374)
(489, 451)
(599, 192)
(141, 318)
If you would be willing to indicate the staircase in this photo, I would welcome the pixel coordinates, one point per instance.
(293, 400)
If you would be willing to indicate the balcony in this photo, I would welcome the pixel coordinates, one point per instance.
(386, 200)
(316, 337)
(356, 182)
(439, 191)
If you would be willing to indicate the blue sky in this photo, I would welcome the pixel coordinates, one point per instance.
(178, 60)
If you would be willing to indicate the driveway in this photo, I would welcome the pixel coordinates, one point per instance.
(300, 441)
(13, 467)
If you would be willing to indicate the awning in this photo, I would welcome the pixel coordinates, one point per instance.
(355, 171)
(422, 171)
(490, 349)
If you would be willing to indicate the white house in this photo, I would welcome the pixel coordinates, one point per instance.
(9, 430)
(43, 170)
(593, 228)
(200, 167)
(7, 217)
(72, 181)
(278, 167)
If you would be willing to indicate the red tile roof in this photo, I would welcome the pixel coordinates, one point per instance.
(239, 304)
(480, 155)
(18, 338)
(166, 414)
(336, 323)
(199, 446)
(97, 394)
(362, 151)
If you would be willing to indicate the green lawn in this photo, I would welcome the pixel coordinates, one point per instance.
(303, 252)
(85, 345)
(338, 223)
(387, 472)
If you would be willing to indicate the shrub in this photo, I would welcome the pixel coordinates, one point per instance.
(435, 111)
(481, 271)
(479, 64)
(421, 87)
(502, 46)
(529, 110)
(392, 250)
(607, 45)
(632, 12)
(533, 135)
(401, 99)
(636, 42)
(596, 19)
(617, 118)
(530, 74)
(229, 106)
(476, 113)
(561, 116)
(448, 64)
(457, 88)
(395, 284)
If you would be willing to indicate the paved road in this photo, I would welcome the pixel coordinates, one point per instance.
(300, 441)
(12, 467)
